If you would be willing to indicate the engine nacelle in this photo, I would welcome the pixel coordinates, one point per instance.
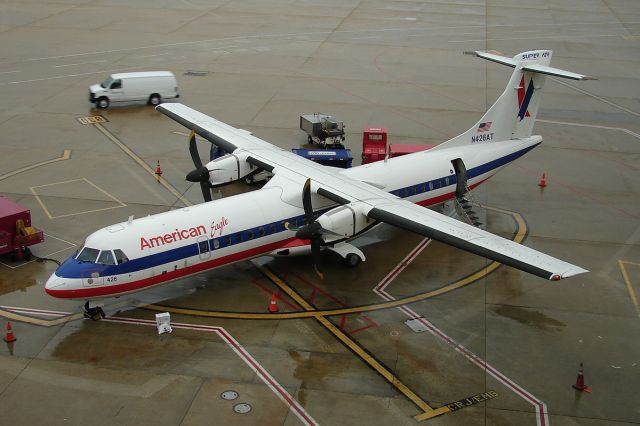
(228, 168)
(346, 220)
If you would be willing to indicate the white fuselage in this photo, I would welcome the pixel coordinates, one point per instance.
(180, 243)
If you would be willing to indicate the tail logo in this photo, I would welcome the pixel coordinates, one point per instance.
(524, 98)
(484, 127)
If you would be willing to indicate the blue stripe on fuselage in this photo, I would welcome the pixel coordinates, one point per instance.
(73, 268)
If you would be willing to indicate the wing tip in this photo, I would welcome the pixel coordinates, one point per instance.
(576, 270)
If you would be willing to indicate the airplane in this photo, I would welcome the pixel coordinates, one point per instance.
(307, 207)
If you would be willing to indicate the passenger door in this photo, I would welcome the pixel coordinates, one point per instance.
(203, 248)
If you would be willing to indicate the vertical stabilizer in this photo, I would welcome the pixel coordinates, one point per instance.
(513, 114)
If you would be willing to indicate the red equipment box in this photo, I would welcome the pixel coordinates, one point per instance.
(15, 227)
(374, 144)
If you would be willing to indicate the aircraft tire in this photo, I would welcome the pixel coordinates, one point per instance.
(352, 260)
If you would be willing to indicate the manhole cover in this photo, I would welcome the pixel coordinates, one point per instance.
(196, 73)
(242, 408)
(229, 395)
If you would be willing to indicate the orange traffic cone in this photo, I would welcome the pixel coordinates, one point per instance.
(273, 306)
(543, 181)
(158, 169)
(10, 337)
(579, 385)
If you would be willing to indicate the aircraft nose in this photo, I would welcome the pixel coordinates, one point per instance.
(54, 283)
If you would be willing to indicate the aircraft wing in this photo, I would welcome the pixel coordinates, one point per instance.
(291, 171)
(439, 227)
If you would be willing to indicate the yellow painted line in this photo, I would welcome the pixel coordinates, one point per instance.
(351, 344)
(39, 321)
(625, 276)
(65, 156)
(33, 191)
(141, 162)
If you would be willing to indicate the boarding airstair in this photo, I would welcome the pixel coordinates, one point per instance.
(466, 207)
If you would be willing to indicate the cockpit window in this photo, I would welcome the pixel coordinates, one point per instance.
(120, 256)
(106, 258)
(88, 254)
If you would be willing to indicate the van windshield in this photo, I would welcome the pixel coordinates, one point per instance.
(106, 83)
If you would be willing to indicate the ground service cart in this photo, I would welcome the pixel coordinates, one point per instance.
(322, 129)
(16, 232)
(341, 158)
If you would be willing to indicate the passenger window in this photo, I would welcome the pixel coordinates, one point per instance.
(88, 254)
(203, 246)
(273, 228)
(423, 188)
(226, 241)
(120, 256)
(117, 84)
(250, 234)
(215, 244)
(446, 181)
(430, 186)
(261, 231)
(106, 258)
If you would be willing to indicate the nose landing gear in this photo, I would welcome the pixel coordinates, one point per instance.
(93, 311)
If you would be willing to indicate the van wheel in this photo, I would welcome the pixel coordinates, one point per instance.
(102, 102)
(154, 99)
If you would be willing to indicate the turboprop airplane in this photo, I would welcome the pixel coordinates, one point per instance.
(307, 207)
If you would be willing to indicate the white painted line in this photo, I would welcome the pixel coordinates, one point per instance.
(533, 37)
(595, 126)
(71, 245)
(105, 72)
(79, 63)
(9, 72)
(281, 35)
(253, 364)
(153, 56)
(600, 98)
(542, 417)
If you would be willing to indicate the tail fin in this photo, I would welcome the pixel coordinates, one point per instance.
(513, 114)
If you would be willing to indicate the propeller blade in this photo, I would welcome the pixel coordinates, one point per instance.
(306, 201)
(198, 175)
(193, 150)
(206, 191)
(315, 256)
(309, 232)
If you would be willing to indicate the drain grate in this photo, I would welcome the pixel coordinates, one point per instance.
(196, 73)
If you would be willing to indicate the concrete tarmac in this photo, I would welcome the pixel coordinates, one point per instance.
(498, 348)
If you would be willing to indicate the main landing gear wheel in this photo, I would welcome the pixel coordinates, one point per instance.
(96, 313)
(352, 260)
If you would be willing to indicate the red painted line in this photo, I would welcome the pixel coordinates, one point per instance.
(293, 404)
(542, 418)
(256, 282)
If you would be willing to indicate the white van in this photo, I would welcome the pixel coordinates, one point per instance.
(151, 86)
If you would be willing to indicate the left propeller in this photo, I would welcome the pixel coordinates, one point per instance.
(200, 173)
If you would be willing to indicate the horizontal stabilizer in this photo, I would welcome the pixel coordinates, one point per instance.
(530, 61)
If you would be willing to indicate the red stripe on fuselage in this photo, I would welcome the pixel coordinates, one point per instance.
(171, 275)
